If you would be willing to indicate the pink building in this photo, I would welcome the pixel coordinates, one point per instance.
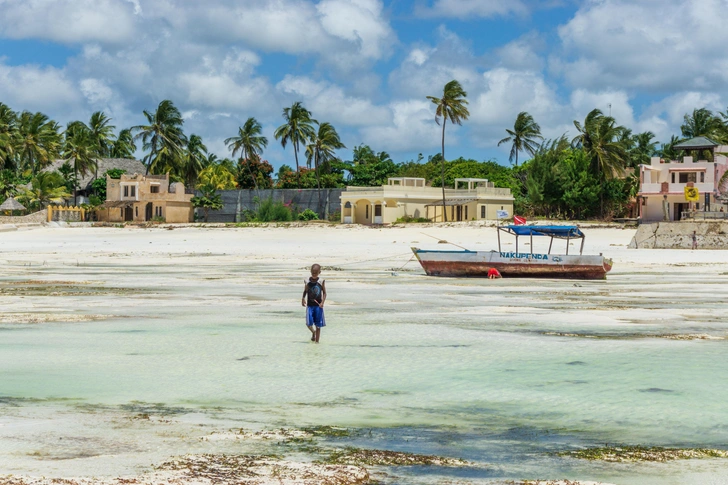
(661, 195)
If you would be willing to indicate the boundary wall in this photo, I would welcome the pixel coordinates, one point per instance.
(679, 235)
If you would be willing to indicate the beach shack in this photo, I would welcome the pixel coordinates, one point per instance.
(470, 199)
(689, 188)
(139, 198)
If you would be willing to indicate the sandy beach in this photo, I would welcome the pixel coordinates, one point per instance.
(125, 349)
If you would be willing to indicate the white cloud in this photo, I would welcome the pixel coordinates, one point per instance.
(466, 9)
(36, 88)
(68, 21)
(412, 127)
(647, 44)
(328, 102)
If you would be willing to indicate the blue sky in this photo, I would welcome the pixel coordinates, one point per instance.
(367, 65)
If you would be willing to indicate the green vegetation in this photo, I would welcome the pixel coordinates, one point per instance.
(308, 215)
(587, 176)
(409, 219)
(644, 453)
(367, 457)
(270, 211)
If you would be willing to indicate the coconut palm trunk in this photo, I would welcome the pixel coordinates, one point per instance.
(442, 169)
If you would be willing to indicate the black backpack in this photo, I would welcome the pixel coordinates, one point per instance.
(314, 293)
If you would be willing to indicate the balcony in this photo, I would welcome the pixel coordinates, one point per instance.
(656, 188)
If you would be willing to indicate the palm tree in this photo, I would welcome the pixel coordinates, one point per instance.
(195, 160)
(162, 136)
(523, 136)
(102, 133)
(39, 141)
(702, 122)
(644, 147)
(600, 138)
(45, 188)
(321, 151)
(81, 148)
(451, 106)
(123, 146)
(668, 150)
(298, 129)
(9, 136)
(250, 144)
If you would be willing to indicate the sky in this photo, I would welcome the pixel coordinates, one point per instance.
(366, 66)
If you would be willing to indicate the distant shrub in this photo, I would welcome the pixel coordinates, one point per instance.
(335, 216)
(308, 215)
(269, 211)
(407, 219)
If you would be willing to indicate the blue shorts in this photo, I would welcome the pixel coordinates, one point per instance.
(315, 316)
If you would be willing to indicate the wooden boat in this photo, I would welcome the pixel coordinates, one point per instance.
(517, 264)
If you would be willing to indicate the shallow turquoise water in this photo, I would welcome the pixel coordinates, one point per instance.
(502, 373)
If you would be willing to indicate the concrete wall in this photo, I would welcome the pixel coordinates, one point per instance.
(678, 235)
(239, 200)
(36, 217)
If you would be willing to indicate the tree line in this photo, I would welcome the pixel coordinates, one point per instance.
(586, 176)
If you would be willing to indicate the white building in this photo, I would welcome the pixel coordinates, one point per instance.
(471, 199)
(662, 183)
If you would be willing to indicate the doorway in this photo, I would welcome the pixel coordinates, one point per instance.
(128, 214)
(459, 211)
(679, 208)
(148, 212)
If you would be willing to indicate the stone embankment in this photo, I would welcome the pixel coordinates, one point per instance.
(11, 223)
(679, 235)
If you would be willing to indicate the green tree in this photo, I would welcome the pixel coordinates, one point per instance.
(453, 106)
(643, 148)
(369, 168)
(255, 173)
(207, 201)
(702, 122)
(80, 150)
(163, 137)
(101, 132)
(215, 177)
(250, 143)
(123, 146)
(9, 137)
(298, 130)
(523, 136)
(39, 141)
(321, 150)
(194, 161)
(45, 188)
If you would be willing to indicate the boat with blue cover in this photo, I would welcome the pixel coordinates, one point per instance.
(532, 264)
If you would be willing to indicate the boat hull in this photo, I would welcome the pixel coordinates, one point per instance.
(477, 263)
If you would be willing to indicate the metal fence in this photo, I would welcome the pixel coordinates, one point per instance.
(703, 215)
(236, 202)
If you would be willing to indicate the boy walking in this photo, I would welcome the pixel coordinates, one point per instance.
(314, 296)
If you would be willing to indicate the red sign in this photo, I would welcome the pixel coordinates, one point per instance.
(519, 220)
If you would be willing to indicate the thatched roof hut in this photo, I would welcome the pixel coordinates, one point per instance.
(11, 204)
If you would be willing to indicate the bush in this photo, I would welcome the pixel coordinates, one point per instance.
(308, 215)
(269, 211)
(406, 219)
(335, 216)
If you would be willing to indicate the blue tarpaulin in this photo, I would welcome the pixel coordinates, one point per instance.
(552, 231)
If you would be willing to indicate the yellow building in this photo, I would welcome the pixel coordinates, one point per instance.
(142, 198)
(471, 199)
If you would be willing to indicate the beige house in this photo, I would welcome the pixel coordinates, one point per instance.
(471, 199)
(142, 198)
(662, 184)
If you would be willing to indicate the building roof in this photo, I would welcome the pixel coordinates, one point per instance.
(450, 202)
(11, 204)
(697, 143)
(129, 164)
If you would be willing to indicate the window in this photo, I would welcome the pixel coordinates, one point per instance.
(482, 212)
(133, 191)
(126, 191)
(154, 189)
(673, 177)
(121, 213)
(466, 212)
(158, 211)
(501, 207)
(702, 177)
(367, 212)
(377, 210)
(686, 177)
(136, 211)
